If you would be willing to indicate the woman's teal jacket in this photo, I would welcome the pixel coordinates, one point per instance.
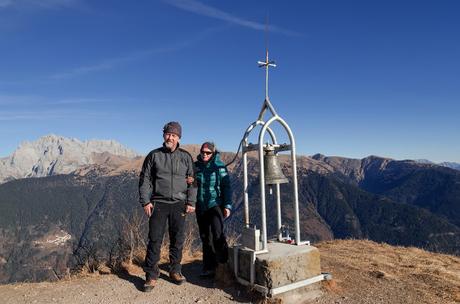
(213, 184)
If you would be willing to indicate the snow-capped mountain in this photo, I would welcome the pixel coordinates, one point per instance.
(451, 165)
(53, 154)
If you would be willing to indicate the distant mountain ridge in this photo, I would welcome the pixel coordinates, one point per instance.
(53, 154)
(452, 165)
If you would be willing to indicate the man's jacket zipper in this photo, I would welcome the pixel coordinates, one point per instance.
(172, 174)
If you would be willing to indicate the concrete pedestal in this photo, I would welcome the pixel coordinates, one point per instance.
(283, 265)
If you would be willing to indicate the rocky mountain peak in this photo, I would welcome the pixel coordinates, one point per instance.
(54, 154)
(318, 156)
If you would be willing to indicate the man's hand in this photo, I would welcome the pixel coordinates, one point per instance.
(189, 209)
(148, 209)
(189, 180)
(227, 212)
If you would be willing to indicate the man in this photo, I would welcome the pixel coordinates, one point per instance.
(165, 196)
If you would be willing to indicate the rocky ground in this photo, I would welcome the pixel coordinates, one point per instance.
(363, 271)
(368, 272)
(125, 287)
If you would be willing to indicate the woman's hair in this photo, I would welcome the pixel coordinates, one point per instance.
(210, 145)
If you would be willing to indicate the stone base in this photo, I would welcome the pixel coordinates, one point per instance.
(299, 295)
(284, 264)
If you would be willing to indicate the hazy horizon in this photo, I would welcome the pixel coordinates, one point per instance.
(187, 143)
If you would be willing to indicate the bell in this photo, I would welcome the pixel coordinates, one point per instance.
(273, 173)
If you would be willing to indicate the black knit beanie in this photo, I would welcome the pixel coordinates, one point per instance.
(173, 127)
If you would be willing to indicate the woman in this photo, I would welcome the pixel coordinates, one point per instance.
(213, 205)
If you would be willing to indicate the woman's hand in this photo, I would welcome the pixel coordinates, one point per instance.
(148, 209)
(227, 212)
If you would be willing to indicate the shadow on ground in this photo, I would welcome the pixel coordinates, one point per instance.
(237, 292)
(192, 271)
(137, 281)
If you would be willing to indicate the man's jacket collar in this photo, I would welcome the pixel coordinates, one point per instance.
(167, 150)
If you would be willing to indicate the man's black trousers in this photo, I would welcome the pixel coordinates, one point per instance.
(163, 213)
(215, 248)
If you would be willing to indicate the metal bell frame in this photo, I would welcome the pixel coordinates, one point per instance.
(247, 147)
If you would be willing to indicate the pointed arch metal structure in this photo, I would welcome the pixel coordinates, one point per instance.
(253, 240)
(247, 147)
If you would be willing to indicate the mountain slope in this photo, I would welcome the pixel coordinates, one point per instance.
(35, 211)
(84, 218)
(90, 213)
(432, 187)
(354, 213)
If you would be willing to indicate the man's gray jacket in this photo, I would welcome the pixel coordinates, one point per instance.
(163, 177)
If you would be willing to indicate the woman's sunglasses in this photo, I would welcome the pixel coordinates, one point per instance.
(206, 152)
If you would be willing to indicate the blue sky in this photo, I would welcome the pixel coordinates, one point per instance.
(354, 78)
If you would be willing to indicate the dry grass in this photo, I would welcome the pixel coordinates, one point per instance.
(233, 238)
(369, 272)
(189, 254)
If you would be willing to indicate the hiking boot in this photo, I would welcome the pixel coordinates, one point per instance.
(207, 274)
(177, 277)
(149, 284)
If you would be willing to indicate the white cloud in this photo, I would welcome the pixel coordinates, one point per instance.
(31, 115)
(6, 3)
(16, 100)
(138, 55)
(48, 114)
(209, 11)
(54, 3)
(85, 69)
(110, 63)
(48, 4)
(21, 101)
(69, 101)
(11, 83)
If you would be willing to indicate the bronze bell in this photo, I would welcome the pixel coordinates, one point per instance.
(273, 173)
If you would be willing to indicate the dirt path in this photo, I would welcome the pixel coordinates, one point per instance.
(123, 288)
(364, 273)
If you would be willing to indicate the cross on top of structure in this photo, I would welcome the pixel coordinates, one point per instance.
(267, 63)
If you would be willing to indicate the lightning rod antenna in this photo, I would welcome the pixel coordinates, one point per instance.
(267, 63)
